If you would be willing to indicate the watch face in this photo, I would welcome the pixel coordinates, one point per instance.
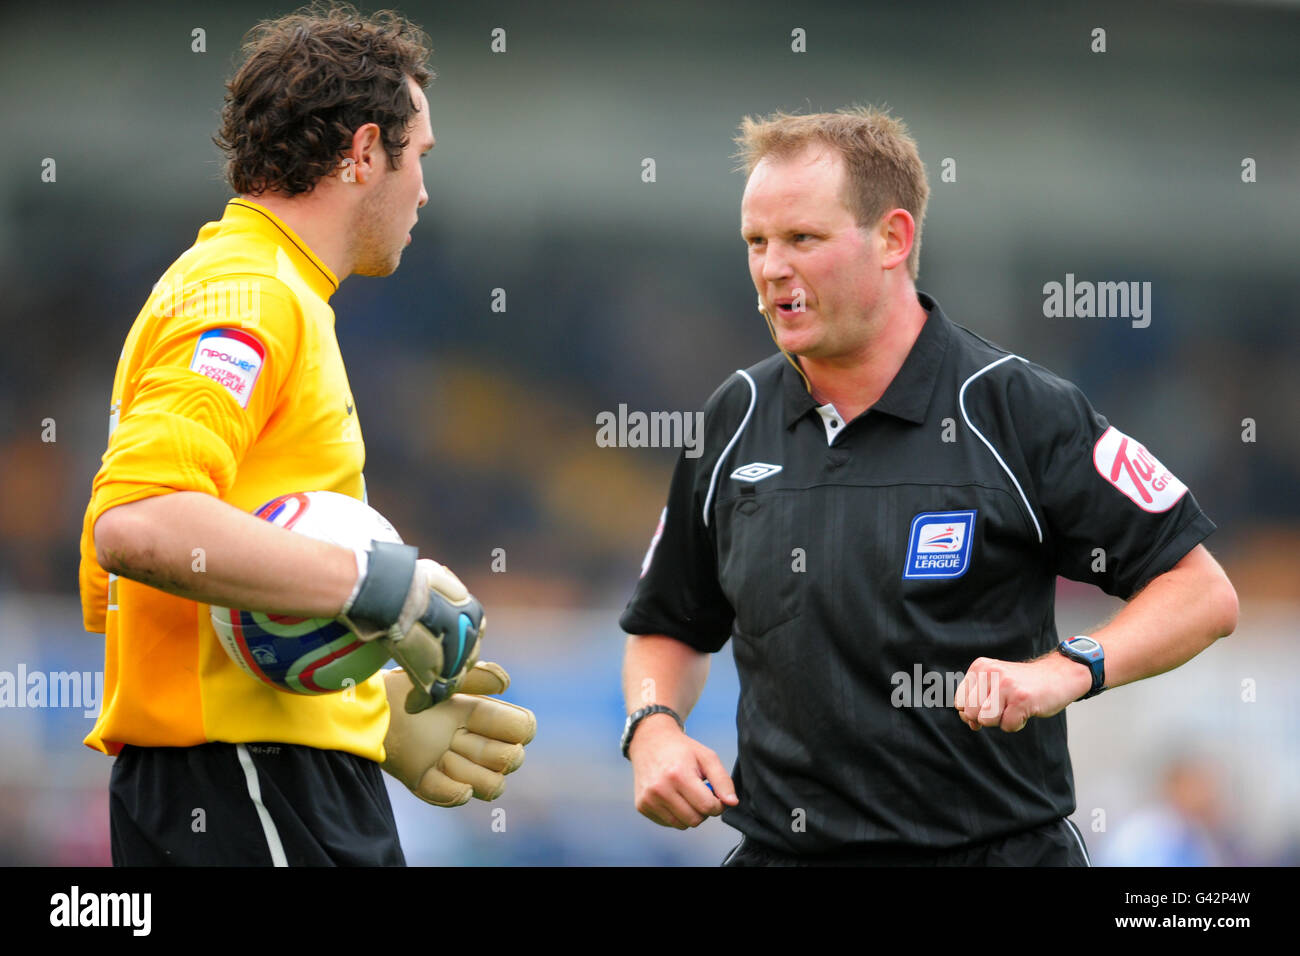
(1084, 645)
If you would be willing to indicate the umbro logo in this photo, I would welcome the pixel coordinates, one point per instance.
(755, 471)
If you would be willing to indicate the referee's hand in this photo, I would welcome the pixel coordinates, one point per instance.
(672, 774)
(1009, 694)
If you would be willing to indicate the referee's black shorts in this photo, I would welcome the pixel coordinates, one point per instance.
(250, 805)
(1058, 843)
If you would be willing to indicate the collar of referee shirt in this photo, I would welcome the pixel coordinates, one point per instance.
(908, 395)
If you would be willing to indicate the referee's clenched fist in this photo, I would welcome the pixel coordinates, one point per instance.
(662, 680)
(673, 773)
(1006, 694)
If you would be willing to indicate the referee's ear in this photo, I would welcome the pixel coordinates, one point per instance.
(895, 232)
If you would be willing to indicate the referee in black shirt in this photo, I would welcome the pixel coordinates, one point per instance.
(877, 519)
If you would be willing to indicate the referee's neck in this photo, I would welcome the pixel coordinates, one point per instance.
(854, 381)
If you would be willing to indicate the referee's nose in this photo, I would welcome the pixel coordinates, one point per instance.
(776, 264)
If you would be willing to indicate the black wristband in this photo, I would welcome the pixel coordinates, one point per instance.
(634, 719)
(382, 595)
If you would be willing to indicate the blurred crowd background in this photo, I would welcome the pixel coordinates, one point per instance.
(1123, 165)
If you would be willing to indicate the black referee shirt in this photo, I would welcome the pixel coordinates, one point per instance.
(862, 567)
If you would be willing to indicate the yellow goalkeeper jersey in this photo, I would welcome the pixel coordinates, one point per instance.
(230, 383)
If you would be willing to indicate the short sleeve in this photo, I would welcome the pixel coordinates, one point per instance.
(194, 388)
(1112, 513)
(678, 594)
(198, 392)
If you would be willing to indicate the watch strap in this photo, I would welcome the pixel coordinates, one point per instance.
(635, 719)
(1096, 664)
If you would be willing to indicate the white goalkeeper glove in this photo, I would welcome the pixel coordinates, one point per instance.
(423, 613)
(461, 747)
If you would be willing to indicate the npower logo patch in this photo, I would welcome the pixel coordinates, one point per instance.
(231, 357)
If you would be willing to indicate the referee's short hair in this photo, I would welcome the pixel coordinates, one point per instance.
(309, 80)
(884, 168)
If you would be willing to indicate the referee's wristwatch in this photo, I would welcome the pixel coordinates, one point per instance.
(1089, 653)
(634, 719)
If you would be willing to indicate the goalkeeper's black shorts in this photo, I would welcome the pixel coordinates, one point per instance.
(250, 805)
(1058, 843)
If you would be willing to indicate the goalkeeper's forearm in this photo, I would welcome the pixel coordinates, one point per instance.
(199, 547)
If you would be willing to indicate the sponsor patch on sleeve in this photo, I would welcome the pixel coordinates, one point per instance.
(1136, 472)
(654, 543)
(232, 358)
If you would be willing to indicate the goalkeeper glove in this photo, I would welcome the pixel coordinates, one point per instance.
(461, 747)
(423, 613)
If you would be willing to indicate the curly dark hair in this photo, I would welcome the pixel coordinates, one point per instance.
(309, 80)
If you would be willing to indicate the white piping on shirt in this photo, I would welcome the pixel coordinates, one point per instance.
(961, 403)
(713, 480)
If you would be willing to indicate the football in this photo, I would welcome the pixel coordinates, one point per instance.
(307, 655)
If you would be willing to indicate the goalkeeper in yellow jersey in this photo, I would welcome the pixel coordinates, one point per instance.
(230, 391)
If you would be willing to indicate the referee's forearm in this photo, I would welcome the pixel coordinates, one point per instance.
(662, 670)
(1176, 616)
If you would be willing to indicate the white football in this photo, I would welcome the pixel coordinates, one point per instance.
(307, 655)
